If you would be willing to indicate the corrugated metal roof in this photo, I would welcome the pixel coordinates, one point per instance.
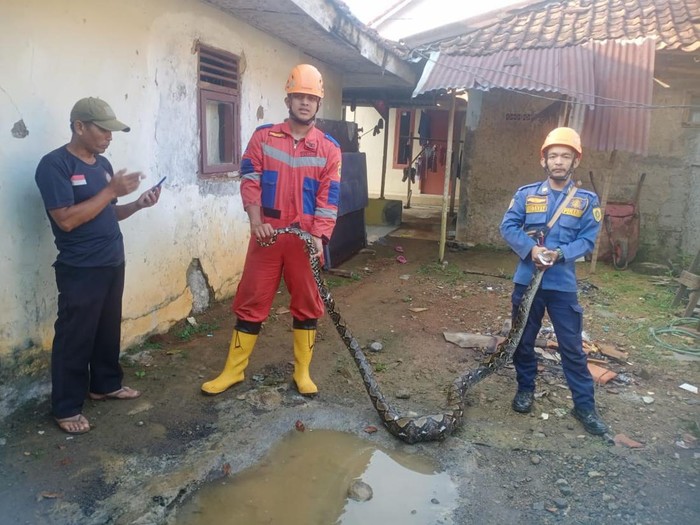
(623, 73)
(674, 23)
(566, 70)
(613, 79)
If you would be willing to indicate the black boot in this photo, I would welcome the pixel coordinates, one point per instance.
(522, 402)
(591, 421)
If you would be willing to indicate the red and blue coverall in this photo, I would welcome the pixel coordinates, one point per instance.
(295, 184)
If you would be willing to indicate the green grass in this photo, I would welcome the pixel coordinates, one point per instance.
(638, 305)
(189, 331)
(447, 273)
(634, 295)
(692, 427)
(332, 282)
(148, 345)
(337, 282)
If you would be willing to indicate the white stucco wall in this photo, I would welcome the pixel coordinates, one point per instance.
(139, 57)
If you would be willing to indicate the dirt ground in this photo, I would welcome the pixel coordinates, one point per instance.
(143, 459)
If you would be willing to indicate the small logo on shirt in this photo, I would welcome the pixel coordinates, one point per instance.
(78, 180)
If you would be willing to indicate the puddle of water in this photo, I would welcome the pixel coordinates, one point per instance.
(304, 481)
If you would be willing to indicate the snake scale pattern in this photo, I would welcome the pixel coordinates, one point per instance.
(434, 427)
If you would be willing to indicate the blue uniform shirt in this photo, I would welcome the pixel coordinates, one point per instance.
(575, 231)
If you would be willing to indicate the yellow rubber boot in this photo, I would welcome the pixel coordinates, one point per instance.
(239, 351)
(303, 351)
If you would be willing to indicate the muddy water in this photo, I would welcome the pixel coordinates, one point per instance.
(304, 480)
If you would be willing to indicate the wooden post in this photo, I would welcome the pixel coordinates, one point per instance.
(448, 174)
(459, 153)
(471, 123)
(384, 157)
(693, 271)
(603, 203)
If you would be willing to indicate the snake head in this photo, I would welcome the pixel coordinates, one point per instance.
(545, 258)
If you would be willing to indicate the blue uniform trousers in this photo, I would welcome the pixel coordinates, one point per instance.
(567, 317)
(86, 345)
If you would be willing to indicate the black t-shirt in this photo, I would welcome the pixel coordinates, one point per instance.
(64, 180)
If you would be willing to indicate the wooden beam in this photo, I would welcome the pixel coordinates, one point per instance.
(603, 203)
(448, 173)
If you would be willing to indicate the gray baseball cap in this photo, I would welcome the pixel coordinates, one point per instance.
(97, 111)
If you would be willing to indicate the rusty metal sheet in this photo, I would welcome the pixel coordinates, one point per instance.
(621, 119)
(613, 80)
(565, 70)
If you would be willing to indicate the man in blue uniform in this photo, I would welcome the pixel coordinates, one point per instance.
(559, 221)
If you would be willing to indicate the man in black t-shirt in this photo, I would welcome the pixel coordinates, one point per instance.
(80, 190)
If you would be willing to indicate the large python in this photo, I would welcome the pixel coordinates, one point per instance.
(434, 427)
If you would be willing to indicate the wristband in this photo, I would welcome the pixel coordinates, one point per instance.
(560, 254)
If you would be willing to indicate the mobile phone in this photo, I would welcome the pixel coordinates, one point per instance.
(159, 183)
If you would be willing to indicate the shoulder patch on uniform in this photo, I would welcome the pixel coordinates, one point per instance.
(597, 214)
(512, 201)
(331, 139)
(264, 126)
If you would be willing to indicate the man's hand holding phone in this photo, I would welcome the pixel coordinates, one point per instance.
(159, 183)
(150, 197)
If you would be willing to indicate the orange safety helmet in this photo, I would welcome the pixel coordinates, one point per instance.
(305, 79)
(563, 137)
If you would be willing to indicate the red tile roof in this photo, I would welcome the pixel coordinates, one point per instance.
(550, 24)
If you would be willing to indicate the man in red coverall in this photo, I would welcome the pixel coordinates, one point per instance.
(290, 177)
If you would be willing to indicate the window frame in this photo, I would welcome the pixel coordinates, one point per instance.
(227, 92)
(397, 135)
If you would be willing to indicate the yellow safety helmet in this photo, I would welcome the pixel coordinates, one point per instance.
(305, 79)
(563, 137)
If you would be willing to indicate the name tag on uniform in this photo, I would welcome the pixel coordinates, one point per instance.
(535, 204)
(276, 134)
(576, 207)
(78, 180)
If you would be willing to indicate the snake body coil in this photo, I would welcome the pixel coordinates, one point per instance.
(435, 427)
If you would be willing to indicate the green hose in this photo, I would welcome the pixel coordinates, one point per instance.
(675, 330)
